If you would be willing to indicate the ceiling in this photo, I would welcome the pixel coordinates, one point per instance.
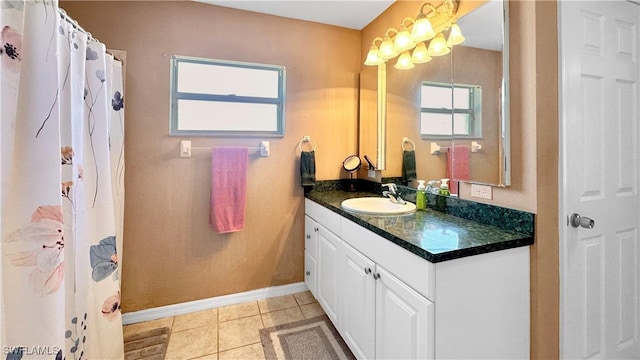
(482, 27)
(352, 14)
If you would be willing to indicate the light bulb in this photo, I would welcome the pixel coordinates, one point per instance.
(420, 55)
(438, 46)
(422, 29)
(372, 56)
(404, 62)
(455, 36)
(403, 40)
(386, 49)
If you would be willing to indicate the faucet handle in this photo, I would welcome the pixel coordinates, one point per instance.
(393, 188)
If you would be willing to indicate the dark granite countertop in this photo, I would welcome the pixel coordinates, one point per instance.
(435, 235)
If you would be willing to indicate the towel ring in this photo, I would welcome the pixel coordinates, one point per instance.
(407, 140)
(309, 140)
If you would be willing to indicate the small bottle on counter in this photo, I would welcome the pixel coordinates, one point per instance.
(444, 187)
(432, 188)
(441, 200)
(421, 196)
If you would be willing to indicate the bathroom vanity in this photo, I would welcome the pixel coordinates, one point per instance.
(420, 286)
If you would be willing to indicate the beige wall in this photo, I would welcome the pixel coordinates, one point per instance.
(171, 255)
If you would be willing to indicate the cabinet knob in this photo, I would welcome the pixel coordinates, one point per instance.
(376, 276)
(308, 236)
(308, 272)
(367, 270)
(315, 229)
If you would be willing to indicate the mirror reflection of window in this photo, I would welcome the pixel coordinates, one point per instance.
(450, 110)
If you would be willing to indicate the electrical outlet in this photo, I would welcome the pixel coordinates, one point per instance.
(481, 191)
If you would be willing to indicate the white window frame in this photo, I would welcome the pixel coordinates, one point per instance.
(474, 111)
(228, 108)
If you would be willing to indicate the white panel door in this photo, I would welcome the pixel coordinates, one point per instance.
(599, 43)
(358, 311)
(404, 320)
(328, 269)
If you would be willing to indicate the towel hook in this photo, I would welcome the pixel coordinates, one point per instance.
(406, 140)
(308, 139)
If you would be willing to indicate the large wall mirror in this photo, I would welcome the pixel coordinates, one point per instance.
(457, 102)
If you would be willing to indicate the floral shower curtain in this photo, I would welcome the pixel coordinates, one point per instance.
(61, 143)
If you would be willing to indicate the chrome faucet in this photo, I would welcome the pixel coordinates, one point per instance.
(393, 194)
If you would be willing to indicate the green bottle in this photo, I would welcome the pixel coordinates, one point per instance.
(421, 196)
(444, 187)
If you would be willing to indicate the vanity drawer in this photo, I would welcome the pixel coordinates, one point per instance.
(415, 271)
(323, 216)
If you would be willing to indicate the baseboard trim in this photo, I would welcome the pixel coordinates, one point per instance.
(210, 303)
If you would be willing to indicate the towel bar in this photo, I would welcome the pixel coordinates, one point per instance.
(186, 148)
(436, 149)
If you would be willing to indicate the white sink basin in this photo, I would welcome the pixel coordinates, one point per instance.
(377, 206)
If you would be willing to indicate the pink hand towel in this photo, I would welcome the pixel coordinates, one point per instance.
(457, 166)
(228, 188)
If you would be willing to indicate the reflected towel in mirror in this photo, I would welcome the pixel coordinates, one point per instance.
(408, 166)
(457, 165)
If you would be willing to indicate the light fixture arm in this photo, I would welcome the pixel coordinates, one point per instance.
(408, 19)
(432, 10)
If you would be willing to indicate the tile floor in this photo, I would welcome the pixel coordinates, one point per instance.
(230, 332)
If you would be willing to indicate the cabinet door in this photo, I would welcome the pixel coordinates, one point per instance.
(357, 312)
(328, 270)
(404, 320)
(310, 250)
(310, 235)
(310, 273)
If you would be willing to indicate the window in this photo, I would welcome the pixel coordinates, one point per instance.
(226, 98)
(448, 111)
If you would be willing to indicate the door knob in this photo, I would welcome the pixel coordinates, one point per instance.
(576, 220)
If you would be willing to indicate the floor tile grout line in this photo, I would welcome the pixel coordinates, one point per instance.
(171, 321)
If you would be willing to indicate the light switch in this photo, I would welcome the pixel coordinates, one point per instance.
(185, 148)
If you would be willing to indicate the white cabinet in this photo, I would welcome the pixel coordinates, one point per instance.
(358, 308)
(404, 320)
(328, 270)
(382, 317)
(389, 303)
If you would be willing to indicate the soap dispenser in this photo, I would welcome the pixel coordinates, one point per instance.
(444, 187)
(432, 188)
(421, 196)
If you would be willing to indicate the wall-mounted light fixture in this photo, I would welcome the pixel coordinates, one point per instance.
(372, 56)
(412, 35)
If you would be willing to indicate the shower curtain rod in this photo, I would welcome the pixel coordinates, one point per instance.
(77, 26)
(74, 23)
